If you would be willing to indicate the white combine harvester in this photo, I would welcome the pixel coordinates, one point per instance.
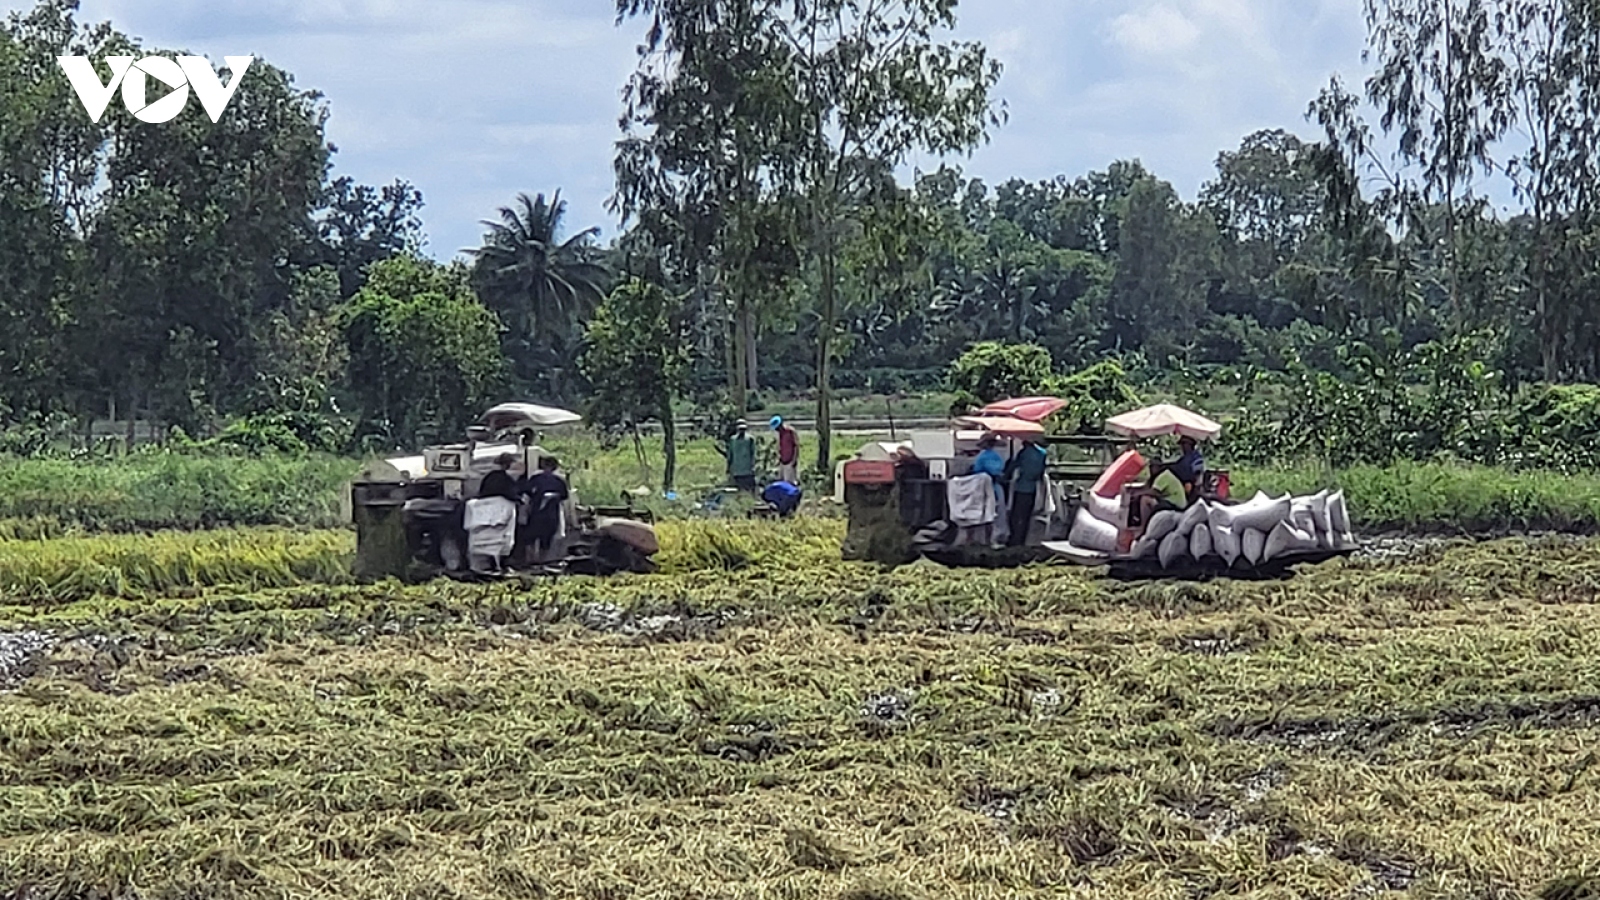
(429, 491)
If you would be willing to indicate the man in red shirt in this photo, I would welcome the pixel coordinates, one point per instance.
(788, 451)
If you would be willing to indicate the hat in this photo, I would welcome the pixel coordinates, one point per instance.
(741, 424)
(776, 421)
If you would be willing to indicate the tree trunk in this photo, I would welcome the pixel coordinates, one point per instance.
(734, 358)
(824, 353)
(752, 380)
(669, 445)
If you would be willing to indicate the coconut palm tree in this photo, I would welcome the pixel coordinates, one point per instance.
(543, 288)
(532, 278)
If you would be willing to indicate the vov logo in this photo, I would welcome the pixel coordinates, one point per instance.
(179, 75)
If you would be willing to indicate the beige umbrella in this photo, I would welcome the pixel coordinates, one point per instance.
(1164, 419)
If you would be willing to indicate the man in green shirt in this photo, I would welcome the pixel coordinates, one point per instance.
(741, 455)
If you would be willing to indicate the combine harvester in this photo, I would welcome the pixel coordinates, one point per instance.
(409, 511)
(1264, 537)
(900, 499)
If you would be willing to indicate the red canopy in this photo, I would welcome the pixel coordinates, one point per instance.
(1008, 426)
(1028, 409)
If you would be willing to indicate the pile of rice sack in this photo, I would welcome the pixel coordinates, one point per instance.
(1262, 529)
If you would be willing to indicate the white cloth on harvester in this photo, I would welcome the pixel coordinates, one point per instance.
(491, 524)
(971, 500)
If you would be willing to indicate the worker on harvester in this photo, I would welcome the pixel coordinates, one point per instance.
(1187, 468)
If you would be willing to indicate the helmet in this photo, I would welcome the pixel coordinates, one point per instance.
(776, 421)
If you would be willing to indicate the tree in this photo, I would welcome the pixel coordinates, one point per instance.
(710, 135)
(359, 225)
(542, 286)
(636, 359)
(832, 94)
(1442, 88)
(993, 371)
(1166, 261)
(424, 353)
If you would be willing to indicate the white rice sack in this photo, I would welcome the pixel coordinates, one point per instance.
(1339, 518)
(1089, 533)
(1200, 542)
(1338, 513)
(1262, 513)
(1301, 515)
(1286, 538)
(1162, 524)
(1253, 543)
(1222, 515)
(1326, 536)
(1173, 546)
(1106, 509)
(1225, 542)
(1196, 514)
(1145, 547)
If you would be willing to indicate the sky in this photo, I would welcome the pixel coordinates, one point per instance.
(474, 101)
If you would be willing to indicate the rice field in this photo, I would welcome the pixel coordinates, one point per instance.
(764, 721)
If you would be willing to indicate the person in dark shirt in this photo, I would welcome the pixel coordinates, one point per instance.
(545, 492)
(1028, 467)
(1187, 468)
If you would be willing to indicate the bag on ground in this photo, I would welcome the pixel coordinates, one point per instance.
(1200, 542)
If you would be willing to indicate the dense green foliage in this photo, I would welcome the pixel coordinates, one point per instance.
(424, 353)
(636, 361)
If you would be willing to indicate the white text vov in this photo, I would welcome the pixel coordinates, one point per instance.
(179, 75)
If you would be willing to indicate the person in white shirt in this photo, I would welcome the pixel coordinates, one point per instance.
(491, 523)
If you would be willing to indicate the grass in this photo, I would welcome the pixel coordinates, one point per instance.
(1442, 497)
(156, 490)
(799, 727)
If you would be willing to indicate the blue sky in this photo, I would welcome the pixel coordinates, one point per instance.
(475, 100)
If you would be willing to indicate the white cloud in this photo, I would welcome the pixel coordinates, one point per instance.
(1157, 31)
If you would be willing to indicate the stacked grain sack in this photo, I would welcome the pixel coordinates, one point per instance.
(1260, 530)
(1098, 523)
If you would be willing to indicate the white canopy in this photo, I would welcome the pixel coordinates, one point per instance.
(523, 415)
(1164, 419)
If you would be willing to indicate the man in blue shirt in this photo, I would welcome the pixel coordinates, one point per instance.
(992, 464)
(1028, 470)
(1189, 466)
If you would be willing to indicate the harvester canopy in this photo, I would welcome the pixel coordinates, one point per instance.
(1006, 426)
(508, 416)
(1028, 409)
(1164, 419)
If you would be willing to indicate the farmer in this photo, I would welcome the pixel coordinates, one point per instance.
(545, 493)
(992, 464)
(783, 497)
(491, 522)
(741, 455)
(788, 451)
(1027, 471)
(1187, 468)
(908, 466)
